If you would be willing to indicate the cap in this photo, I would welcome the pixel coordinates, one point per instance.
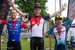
(58, 17)
(37, 5)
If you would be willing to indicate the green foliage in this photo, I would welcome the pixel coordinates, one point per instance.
(28, 5)
(25, 44)
(64, 19)
(52, 23)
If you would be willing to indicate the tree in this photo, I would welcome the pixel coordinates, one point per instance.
(52, 23)
(28, 5)
(64, 19)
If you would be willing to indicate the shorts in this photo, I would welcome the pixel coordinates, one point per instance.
(73, 44)
(37, 43)
(61, 47)
(13, 45)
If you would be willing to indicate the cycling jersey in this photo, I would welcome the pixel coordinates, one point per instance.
(71, 34)
(60, 40)
(37, 25)
(14, 29)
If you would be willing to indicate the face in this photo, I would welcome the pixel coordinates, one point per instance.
(37, 11)
(13, 14)
(58, 23)
(72, 11)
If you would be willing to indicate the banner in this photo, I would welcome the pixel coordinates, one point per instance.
(71, 6)
(4, 8)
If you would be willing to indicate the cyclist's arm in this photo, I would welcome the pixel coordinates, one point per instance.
(50, 31)
(12, 4)
(3, 22)
(68, 22)
(59, 11)
(24, 25)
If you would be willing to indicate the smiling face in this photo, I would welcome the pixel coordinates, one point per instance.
(37, 11)
(13, 14)
(58, 23)
(72, 13)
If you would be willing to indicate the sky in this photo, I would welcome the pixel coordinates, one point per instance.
(51, 6)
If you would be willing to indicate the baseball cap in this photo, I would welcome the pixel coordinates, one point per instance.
(37, 5)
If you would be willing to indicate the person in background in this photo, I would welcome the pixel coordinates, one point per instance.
(71, 32)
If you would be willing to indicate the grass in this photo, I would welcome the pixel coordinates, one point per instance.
(25, 44)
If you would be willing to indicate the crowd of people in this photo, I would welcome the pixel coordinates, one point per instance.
(62, 31)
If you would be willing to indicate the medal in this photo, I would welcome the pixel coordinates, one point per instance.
(59, 33)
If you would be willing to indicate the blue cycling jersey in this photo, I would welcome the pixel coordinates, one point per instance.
(14, 29)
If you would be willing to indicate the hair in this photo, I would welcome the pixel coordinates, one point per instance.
(11, 11)
(9, 14)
